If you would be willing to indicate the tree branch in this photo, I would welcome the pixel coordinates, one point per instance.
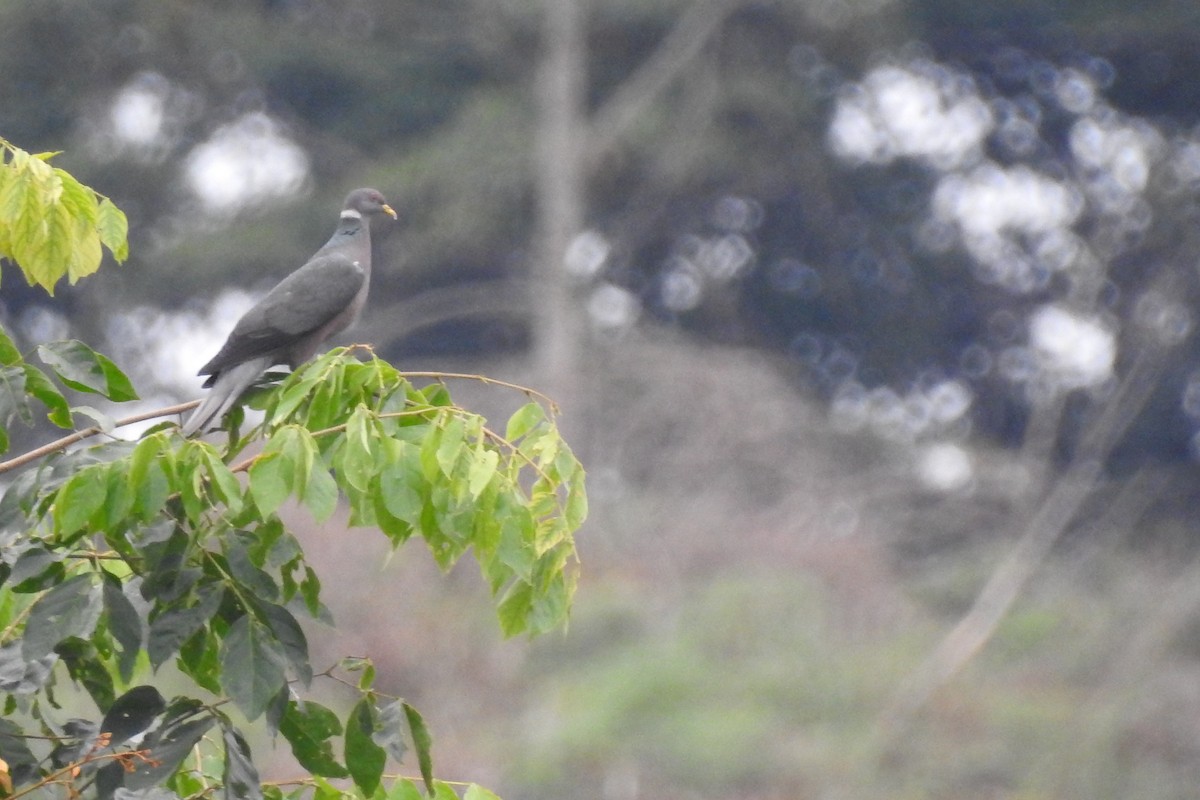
(87, 433)
(1043, 528)
(679, 47)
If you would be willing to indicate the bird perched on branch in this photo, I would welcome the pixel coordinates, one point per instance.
(290, 324)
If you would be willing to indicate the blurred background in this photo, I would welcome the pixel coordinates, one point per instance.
(873, 322)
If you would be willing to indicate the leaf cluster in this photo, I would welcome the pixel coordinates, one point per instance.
(120, 557)
(51, 225)
(25, 387)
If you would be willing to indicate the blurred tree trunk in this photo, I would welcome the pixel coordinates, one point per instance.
(561, 133)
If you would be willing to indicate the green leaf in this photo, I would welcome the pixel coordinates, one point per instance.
(481, 472)
(13, 196)
(308, 728)
(252, 666)
(9, 354)
(321, 493)
(13, 401)
(400, 484)
(477, 792)
(515, 608)
(85, 370)
(270, 482)
(38, 385)
(577, 503)
(524, 420)
(422, 743)
(79, 498)
(147, 466)
(69, 609)
(364, 758)
(78, 199)
(404, 789)
(113, 229)
(224, 485)
(357, 455)
(450, 445)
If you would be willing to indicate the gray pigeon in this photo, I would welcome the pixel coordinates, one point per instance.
(289, 325)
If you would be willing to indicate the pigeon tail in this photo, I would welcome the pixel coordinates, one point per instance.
(224, 393)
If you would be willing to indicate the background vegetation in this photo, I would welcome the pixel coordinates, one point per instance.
(872, 321)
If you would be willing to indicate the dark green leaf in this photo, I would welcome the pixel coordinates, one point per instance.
(69, 609)
(132, 713)
(37, 569)
(21, 762)
(86, 668)
(241, 776)
(310, 590)
(14, 403)
(291, 638)
(200, 659)
(422, 743)
(252, 666)
(364, 758)
(21, 676)
(308, 728)
(124, 624)
(389, 731)
(252, 579)
(85, 370)
(38, 385)
(170, 629)
(168, 747)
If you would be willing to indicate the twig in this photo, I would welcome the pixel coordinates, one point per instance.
(87, 433)
(1043, 528)
(525, 390)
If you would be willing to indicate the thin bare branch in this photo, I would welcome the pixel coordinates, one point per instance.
(694, 29)
(87, 433)
(1042, 529)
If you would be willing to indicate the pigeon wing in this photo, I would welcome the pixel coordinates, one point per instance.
(306, 303)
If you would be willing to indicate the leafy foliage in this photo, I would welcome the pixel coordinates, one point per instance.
(119, 557)
(51, 225)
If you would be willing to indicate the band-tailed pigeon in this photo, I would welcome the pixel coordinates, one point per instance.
(287, 326)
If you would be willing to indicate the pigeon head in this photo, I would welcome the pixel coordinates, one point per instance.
(366, 203)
